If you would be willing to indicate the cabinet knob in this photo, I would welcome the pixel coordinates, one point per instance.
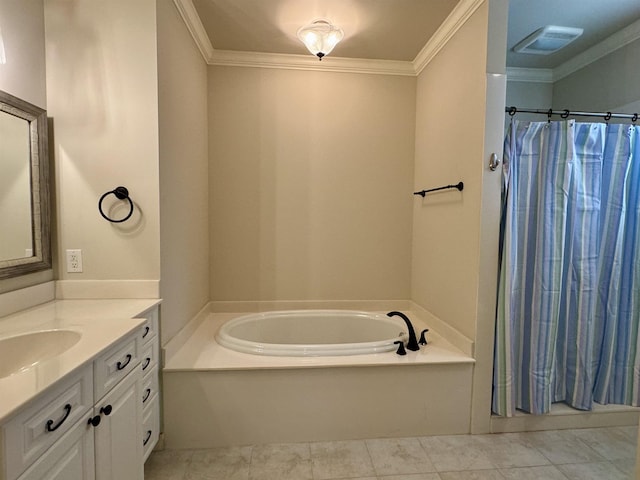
(94, 421)
(106, 410)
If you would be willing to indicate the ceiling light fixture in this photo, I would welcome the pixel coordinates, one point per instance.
(320, 37)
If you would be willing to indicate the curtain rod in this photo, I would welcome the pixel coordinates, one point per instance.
(565, 113)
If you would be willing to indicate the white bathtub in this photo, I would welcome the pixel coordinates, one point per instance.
(312, 333)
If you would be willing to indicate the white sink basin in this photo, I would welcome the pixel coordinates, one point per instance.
(25, 351)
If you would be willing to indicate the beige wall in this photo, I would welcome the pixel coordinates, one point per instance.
(311, 182)
(102, 96)
(449, 148)
(606, 84)
(22, 29)
(529, 95)
(184, 220)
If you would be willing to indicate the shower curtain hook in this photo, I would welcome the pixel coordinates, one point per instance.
(549, 113)
(565, 114)
(512, 111)
(634, 119)
(607, 117)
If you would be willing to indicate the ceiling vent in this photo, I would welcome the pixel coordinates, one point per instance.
(547, 40)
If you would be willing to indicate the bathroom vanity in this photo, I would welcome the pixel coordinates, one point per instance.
(79, 390)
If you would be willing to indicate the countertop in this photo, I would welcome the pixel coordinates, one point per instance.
(100, 322)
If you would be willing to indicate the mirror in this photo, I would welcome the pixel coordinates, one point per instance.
(25, 239)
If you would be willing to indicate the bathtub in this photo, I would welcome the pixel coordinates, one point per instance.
(218, 397)
(312, 333)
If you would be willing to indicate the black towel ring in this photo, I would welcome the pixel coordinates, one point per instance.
(122, 194)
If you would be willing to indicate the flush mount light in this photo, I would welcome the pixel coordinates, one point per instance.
(548, 39)
(320, 37)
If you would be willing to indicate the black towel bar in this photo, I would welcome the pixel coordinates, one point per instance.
(422, 193)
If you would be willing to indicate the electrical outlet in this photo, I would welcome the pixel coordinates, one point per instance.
(74, 261)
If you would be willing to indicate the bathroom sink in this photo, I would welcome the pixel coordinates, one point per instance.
(21, 352)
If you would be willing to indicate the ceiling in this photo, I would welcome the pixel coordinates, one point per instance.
(374, 29)
(399, 29)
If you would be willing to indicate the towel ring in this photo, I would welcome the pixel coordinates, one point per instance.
(121, 193)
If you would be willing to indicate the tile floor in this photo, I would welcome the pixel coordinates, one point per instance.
(594, 453)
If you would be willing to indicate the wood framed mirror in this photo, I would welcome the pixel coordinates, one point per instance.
(25, 230)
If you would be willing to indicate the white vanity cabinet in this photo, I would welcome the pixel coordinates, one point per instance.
(118, 449)
(89, 425)
(149, 345)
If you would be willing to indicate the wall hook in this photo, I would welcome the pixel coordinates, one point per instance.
(121, 193)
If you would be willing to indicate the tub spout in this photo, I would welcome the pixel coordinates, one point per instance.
(412, 344)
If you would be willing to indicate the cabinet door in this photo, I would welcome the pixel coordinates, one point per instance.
(70, 458)
(118, 448)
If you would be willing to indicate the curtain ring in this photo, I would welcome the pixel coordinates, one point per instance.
(607, 117)
(634, 119)
(121, 193)
(565, 114)
(512, 111)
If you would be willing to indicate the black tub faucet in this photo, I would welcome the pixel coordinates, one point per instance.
(412, 344)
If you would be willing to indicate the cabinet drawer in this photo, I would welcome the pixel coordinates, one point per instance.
(150, 328)
(150, 387)
(70, 458)
(45, 421)
(113, 365)
(150, 426)
(149, 357)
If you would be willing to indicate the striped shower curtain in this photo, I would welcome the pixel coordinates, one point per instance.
(569, 286)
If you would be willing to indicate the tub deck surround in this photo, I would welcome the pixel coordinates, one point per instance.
(100, 323)
(216, 397)
(201, 352)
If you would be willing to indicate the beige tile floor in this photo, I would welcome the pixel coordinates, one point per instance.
(594, 453)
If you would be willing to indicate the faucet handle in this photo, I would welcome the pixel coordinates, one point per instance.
(423, 339)
(401, 350)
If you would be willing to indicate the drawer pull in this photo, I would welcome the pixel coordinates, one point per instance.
(146, 440)
(146, 395)
(95, 421)
(147, 361)
(121, 365)
(50, 428)
(106, 410)
(146, 331)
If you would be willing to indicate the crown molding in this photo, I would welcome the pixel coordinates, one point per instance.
(456, 19)
(458, 16)
(307, 62)
(194, 24)
(538, 75)
(602, 49)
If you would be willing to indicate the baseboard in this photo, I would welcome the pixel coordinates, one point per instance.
(564, 417)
